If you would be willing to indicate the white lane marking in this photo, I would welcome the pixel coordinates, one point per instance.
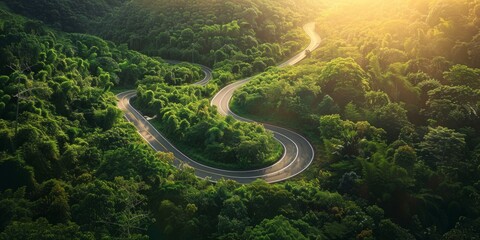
(221, 170)
(195, 162)
(225, 107)
(295, 159)
(225, 91)
(138, 121)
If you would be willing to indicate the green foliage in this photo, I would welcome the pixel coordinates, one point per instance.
(454, 106)
(70, 16)
(418, 87)
(14, 206)
(463, 75)
(388, 229)
(290, 93)
(351, 112)
(237, 36)
(53, 201)
(42, 229)
(11, 168)
(276, 228)
(393, 115)
(210, 138)
(344, 80)
(443, 146)
(115, 207)
(405, 156)
(384, 179)
(345, 138)
(106, 118)
(56, 150)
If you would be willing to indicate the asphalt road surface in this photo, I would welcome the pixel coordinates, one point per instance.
(298, 152)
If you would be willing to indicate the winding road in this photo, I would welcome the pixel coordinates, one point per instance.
(298, 152)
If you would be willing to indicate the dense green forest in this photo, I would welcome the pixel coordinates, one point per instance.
(237, 37)
(76, 170)
(70, 16)
(392, 98)
(186, 117)
(198, 31)
(390, 102)
(241, 33)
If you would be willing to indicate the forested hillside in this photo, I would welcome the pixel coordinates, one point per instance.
(63, 141)
(186, 117)
(392, 98)
(76, 170)
(73, 169)
(70, 16)
(390, 102)
(239, 36)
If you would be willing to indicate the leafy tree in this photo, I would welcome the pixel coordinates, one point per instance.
(376, 99)
(391, 117)
(348, 182)
(330, 126)
(14, 206)
(233, 217)
(463, 75)
(116, 207)
(352, 113)
(106, 118)
(449, 106)
(442, 146)
(388, 229)
(344, 80)
(327, 106)
(384, 180)
(53, 202)
(276, 228)
(405, 156)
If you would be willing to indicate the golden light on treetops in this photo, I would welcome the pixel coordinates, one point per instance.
(371, 9)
